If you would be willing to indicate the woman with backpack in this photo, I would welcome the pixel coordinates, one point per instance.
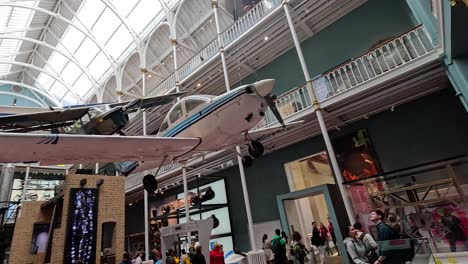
(355, 247)
(298, 249)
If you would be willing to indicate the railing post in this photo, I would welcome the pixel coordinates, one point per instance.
(318, 112)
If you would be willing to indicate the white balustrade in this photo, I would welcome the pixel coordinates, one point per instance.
(380, 60)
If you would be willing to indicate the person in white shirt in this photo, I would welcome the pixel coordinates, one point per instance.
(139, 259)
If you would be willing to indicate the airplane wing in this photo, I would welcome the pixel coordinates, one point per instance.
(74, 149)
(40, 119)
(135, 105)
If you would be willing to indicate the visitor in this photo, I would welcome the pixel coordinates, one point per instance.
(184, 259)
(298, 249)
(126, 258)
(217, 255)
(318, 242)
(267, 249)
(331, 231)
(198, 258)
(278, 246)
(192, 250)
(369, 242)
(288, 247)
(454, 229)
(139, 259)
(170, 258)
(355, 247)
(324, 235)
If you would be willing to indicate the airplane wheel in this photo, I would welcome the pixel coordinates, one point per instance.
(256, 149)
(247, 161)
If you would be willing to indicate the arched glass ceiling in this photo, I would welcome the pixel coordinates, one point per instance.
(75, 44)
(10, 19)
(110, 32)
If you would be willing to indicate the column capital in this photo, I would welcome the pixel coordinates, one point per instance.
(214, 3)
(143, 70)
(285, 2)
(174, 42)
(119, 92)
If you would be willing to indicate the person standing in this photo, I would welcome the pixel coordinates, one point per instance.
(298, 249)
(324, 235)
(454, 230)
(318, 242)
(138, 259)
(217, 255)
(184, 259)
(355, 247)
(369, 242)
(126, 258)
(267, 249)
(331, 231)
(198, 258)
(384, 232)
(278, 246)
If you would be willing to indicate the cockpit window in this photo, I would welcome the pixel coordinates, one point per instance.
(164, 126)
(191, 104)
(176, 113)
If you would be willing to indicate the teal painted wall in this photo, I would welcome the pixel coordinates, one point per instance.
(349, 37)
(428, 129)
(421, 10)
(8, 99)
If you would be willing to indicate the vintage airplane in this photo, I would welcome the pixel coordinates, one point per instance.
(92, 119)
(195, 124)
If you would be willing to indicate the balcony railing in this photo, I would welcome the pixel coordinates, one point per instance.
(232, 33)
(384, 58)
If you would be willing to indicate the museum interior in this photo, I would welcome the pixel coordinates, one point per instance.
(233, 131)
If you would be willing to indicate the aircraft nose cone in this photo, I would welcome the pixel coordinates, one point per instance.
(264, 87)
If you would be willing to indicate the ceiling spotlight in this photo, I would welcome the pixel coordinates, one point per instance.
(392, 108)
(199, 85)
(130, 204)
(307, 11)
(266, 38)
(149, 75)
(338, 128)
(366, 117)
(211, 20)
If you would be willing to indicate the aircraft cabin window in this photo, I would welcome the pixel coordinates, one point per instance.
(191, 104)
(176, 113)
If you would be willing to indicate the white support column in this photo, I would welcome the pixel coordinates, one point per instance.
(25, 184)
(96, 169)
(176, 67)
(145, 198)
(246, 200)
(214, 5)
(318, 112)
(187, 212)
(6, 178)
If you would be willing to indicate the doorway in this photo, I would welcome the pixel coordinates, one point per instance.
(320, 204)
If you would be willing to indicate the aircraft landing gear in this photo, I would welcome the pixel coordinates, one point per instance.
(256, 149)
(247, 161)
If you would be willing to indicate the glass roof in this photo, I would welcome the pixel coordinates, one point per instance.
(72, 85)
(13, 18)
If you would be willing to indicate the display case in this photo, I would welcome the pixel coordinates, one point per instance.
(428, 200)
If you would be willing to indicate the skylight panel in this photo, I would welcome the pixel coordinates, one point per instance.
(58, 90)
(82, 86)
(124, 7)
(105, 26)
(119, 42)
(86, 52)
(90, 11)
(57, 61)
(99, 66)
(69, 99)
(72, 39)
(71, 73)
(44, 80)
(143, 14)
